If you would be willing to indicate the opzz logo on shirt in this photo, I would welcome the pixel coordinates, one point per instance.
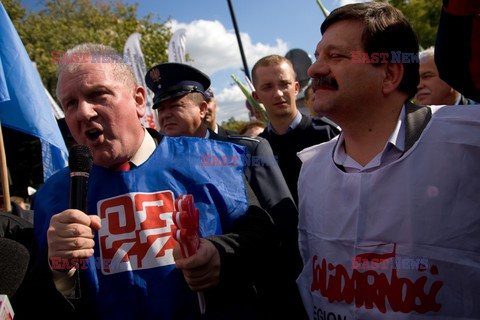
(136, 231)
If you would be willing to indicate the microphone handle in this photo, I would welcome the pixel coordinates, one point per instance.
(78, 191)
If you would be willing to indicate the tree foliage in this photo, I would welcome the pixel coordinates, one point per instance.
(62, 24)
(424, 15)
(233, 124)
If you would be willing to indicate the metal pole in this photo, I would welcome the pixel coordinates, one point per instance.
(234, 20)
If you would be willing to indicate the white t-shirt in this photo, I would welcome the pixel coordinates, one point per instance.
(399, 242)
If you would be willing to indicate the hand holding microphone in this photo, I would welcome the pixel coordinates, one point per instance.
(71, 232)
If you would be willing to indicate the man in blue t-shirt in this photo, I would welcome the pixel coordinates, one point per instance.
(117, 259)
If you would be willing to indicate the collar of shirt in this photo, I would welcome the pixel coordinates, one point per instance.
(295, 122)
(207, 135)
(216, 129)
(393, 150)
(145, 151)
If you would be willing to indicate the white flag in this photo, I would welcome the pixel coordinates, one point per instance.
(133, 53)
(176, 46)
(57, 111)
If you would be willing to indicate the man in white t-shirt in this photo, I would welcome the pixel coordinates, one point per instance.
(389, 225)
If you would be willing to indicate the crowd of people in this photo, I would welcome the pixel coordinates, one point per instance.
(367, 208)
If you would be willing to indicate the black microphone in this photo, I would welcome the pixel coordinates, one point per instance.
(80, 162)
(13, 265)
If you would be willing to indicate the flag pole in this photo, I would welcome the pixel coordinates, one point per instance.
(4, 174)
(239, 40)
(322, 7)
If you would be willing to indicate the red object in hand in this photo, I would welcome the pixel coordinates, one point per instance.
(185, 218)
(187, 233)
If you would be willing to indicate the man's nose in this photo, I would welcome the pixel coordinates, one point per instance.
(85, 110)
(318, 68)
(163, 113)
(420, 85)
(278, 92)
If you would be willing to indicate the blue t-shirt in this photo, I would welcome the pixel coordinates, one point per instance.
(132, 273)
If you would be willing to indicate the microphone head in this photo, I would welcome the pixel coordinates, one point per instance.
(13, 265)
(80, 159)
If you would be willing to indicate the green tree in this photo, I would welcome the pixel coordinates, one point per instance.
(62, 24)
(424, 15)
(233, 124)
(15, 11)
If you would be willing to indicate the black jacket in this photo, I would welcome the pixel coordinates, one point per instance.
(278, 284)
(286, 146)
(224, 132)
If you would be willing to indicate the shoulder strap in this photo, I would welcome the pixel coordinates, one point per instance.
(417, 119)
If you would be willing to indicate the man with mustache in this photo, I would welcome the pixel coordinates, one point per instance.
(288, 130)
(399, 182)
(432, 90)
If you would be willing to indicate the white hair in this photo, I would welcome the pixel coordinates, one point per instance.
(96, 52)
(427, 54)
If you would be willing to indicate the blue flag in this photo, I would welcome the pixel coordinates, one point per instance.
(4, 96)
(24, 106)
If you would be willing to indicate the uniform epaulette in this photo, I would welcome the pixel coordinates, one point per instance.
(240, 137)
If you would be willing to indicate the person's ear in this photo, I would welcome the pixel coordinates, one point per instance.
(297, 87)
(393, 75)
(203, 109)
(140, 97)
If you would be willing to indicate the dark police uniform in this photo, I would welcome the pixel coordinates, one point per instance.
(224, 132)
(278, 288)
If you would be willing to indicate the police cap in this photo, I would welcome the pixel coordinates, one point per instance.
(173, 80)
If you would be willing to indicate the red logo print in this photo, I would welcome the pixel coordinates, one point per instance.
(373, 288)
(136, 231)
